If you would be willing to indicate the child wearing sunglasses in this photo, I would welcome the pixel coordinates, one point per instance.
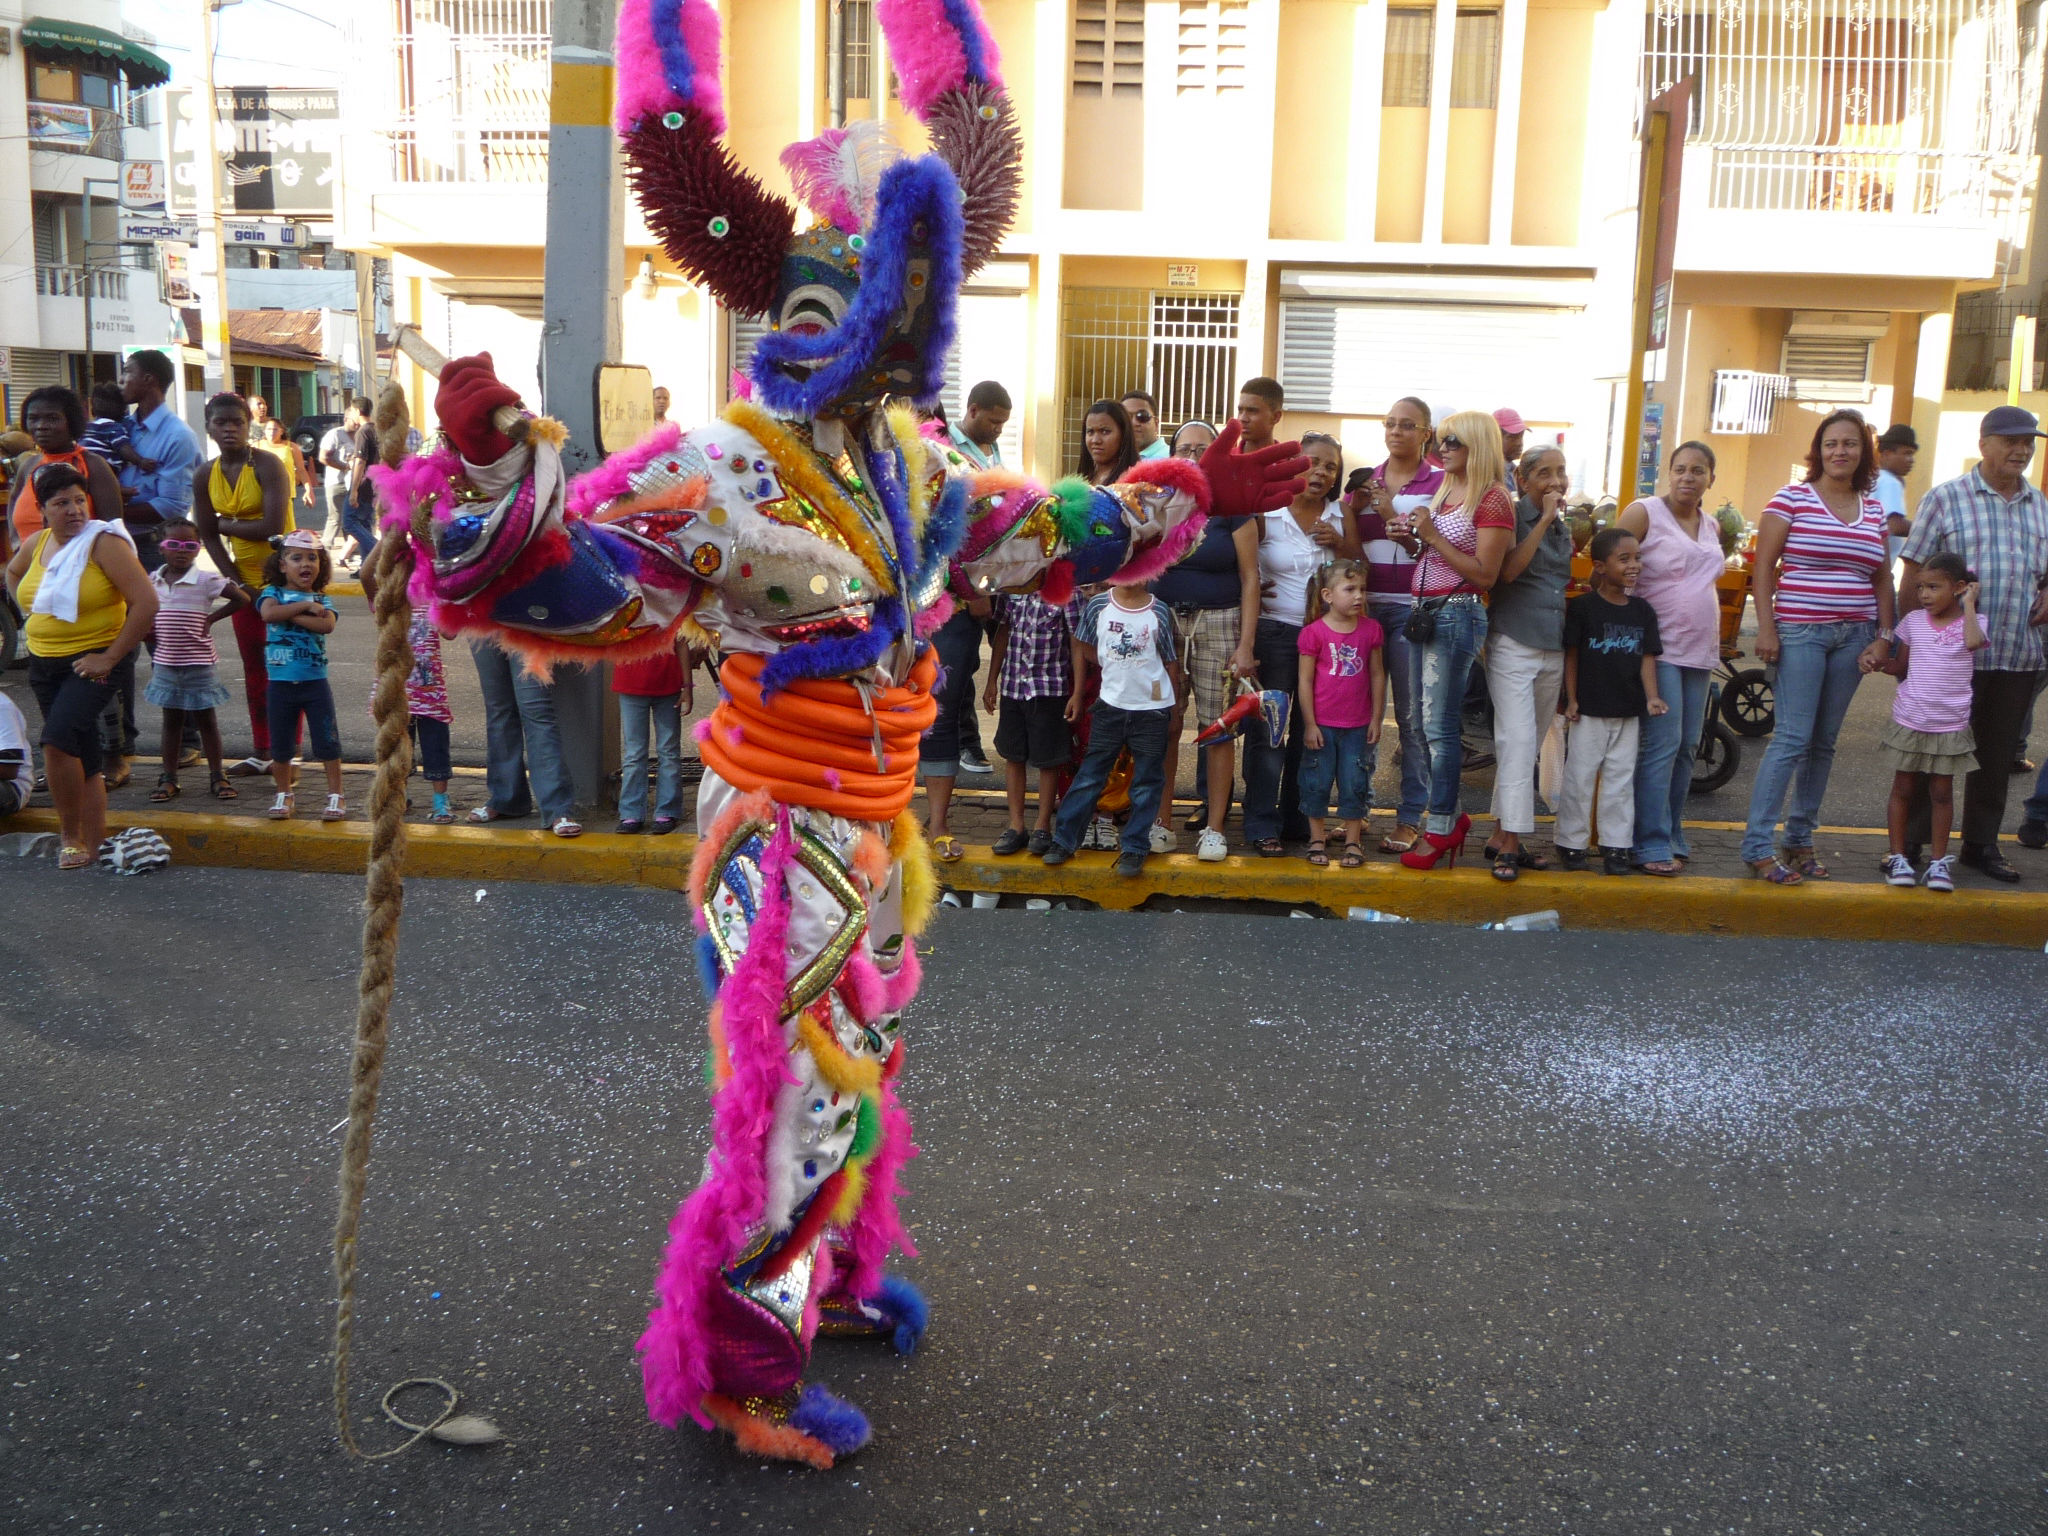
(182, 679)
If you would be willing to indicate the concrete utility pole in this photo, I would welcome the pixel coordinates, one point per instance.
(209, 265)
(580, 315)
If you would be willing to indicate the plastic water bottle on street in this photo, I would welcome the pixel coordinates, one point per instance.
(1525, 922)
(1374, 915)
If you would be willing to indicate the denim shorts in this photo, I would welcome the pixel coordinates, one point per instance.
(1346, 760)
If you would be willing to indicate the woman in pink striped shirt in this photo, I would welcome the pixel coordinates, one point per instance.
(1823, 590)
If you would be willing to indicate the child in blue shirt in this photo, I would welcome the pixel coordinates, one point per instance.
(299, 617)
(111, 432)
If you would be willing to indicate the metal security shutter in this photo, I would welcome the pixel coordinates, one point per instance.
(741, 332)
(35, 368)
(1355, 358)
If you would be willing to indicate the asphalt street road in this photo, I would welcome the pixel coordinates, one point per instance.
(1227, 1224)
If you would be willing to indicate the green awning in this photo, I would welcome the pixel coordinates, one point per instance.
(142, 67)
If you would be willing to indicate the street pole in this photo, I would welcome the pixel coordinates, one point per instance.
(85, 270)
(209, 275)
(1647, 203)
(585, 272)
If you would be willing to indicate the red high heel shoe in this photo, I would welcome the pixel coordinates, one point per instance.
(1439, 844)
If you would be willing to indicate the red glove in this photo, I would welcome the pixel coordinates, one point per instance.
(470, 392)
(1264, 480)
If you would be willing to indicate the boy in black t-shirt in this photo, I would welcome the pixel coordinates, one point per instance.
(1610, 682)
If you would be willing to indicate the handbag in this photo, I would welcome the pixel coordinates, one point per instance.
(1420, 627)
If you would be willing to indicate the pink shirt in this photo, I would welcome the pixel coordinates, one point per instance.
(1934, 696)
(1828, 564)
(1678, 579)
(1434, 575)
(182, 639)
(1343, 696)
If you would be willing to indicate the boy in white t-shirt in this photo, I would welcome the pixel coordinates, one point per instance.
(1128, 633)
(16, 772)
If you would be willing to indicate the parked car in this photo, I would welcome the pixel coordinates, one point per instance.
(307, 432)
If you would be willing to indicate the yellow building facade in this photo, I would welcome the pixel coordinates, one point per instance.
(1364, 199)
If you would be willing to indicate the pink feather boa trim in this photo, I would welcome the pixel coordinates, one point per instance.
(426, 477)
(613, 478)
(927, 51)
(1180, 475)
(677, 1349)
(642, 85)
(876, 1227)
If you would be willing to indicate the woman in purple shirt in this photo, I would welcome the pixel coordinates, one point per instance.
(1385, 498)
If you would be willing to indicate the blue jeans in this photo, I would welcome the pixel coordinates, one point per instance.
(1272, 775)
(312, 700)
(1404, 681)
(1446, 669)
(1110, 730)
(430, 744)
(1664, 764)
(1346, 759)
(521, 738)
(956, 727)
(2036, 808)
(1817, 678)
(359, 522)
(663, 718)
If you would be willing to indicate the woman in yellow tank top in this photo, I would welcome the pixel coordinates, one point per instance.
(238, 504)
(77, 663)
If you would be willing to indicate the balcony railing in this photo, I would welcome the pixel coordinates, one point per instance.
(1746, 403)
(1951, 184)
(63, 282)
(462, 97)
(77, 130)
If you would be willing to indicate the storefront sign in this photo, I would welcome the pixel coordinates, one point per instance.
(625, 405)
(143, 186)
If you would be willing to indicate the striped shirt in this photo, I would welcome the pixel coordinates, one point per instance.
(1828, 566)
(1934, 695)
(1390, 569)
(182, 638)
(2006, 544)
(1437, 577)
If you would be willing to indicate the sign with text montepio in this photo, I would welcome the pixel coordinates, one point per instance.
(143, 186)
(143, 231)
(277, 147)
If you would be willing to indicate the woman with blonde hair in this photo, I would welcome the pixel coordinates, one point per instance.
(1459, 539)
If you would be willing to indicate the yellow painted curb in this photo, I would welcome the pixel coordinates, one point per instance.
(1818, 910)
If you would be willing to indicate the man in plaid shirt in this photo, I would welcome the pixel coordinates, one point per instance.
(1032, 667)
(1998, 523)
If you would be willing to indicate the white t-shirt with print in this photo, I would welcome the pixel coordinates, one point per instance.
(1133, 649)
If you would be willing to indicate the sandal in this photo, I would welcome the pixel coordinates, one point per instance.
(281, 807)
(1808, 866)
(1665, 867)
(336, 809)
(223, 789)
(443, 818)
(1269, 847)
(73, 858)
(1775, 872)
(1401, 839)
(946, 848)
(166, 789)
(1505, 866)
(1354, 856)
(1318, 854)
(1527, 860)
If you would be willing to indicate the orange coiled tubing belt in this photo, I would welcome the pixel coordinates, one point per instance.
(814, 743)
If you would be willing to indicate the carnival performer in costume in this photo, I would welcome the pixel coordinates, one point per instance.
(809, 534)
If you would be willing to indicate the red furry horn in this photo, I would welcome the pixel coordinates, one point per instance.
(719, 224)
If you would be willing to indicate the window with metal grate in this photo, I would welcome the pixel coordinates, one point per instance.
(1109, 48)
(1411, 52)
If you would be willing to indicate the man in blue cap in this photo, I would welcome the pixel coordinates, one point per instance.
(1998, 523)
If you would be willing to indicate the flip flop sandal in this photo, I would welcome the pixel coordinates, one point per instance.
(1318, 854)
(442, 818)
(1668, 868)
(946, 848)
(1393, 842)
(223, 789)
(1527, 860)
(1505, 867)
(1354, 856)
(166, 789)
(1269, 847)
(1809, 867)
(74, 858)
(1775, 873)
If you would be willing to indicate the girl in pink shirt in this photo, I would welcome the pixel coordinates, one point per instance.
(1929, 738)
(1341, 695)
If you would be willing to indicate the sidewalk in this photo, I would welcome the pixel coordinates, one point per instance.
(1714, 896)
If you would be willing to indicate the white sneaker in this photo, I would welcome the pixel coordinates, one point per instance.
(1898, 870)
(1212, 847)
(1163, 839)
(1941, 873)
(1103, 833)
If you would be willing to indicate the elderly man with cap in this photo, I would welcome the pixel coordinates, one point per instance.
(1896, 451)
(1998, 523)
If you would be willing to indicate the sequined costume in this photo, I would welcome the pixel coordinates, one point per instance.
(809, 533)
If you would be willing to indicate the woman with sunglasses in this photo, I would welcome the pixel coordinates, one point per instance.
(1459, 541)
(87, 614)
(1386, 506)
(1294, 543)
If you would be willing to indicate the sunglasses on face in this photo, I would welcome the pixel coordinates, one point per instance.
(181, 545)
(1141, 415)
(1449, 442)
